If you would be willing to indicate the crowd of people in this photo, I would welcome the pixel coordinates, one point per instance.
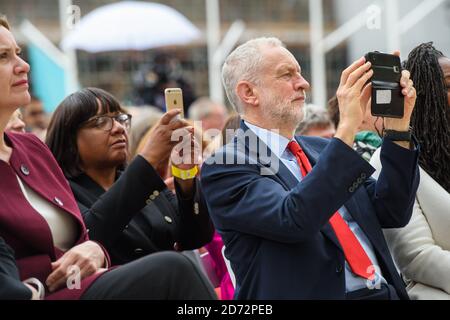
(275, 200)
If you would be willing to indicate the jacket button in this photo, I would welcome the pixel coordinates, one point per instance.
(338, 269)
(351, 190)
(156, 193)
(196, 208)
(168, 219)
(58, 202)
(148, 201)
(360, 180)
(152, 197)
(355, 185)
(24, 169)
(363, 175)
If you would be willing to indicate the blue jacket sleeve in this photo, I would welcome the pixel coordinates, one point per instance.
(393, 193)
(242, 200)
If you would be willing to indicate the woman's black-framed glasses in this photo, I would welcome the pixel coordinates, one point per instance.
(105, 122)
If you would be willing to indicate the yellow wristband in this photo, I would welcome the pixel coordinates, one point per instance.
(185, 174)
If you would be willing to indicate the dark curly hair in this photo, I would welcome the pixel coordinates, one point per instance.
(431, 116)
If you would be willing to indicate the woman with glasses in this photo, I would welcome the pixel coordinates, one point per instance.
(45, 250)
(128, 209)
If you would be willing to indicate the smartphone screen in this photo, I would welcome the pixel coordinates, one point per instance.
(387, 98)
(174, 99)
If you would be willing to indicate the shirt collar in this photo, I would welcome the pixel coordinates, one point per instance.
(277, 143)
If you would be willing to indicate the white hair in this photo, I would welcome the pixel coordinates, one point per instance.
(203, 107)
(243, 64)
(313, 115)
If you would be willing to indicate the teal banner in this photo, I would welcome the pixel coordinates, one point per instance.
(48, 78)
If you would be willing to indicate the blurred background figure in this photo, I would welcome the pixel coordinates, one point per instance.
(35, 118)
(212, 115)
(333, 110)
(368, 139)
(146, 117)
(228, 131)
(15, 123)
(152, 79)
(316, 122)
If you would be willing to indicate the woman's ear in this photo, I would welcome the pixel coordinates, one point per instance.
(247, 92)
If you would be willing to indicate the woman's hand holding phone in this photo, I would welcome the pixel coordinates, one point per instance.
(160, 142)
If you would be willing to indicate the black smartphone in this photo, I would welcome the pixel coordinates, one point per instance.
(387, 97)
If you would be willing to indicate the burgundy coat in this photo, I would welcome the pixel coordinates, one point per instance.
(24, 229)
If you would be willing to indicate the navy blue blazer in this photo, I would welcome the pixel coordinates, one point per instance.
(276, 230)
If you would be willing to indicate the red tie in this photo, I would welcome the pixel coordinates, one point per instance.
(354, 253)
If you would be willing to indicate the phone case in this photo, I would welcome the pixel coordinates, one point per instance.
(174, 100)
(387, 97)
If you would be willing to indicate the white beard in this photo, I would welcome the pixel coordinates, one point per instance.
(282, 112)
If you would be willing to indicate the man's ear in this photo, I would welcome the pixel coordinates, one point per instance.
(247, 92)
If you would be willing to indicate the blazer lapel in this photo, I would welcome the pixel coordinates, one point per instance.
(19, 218)
(283, 174)
(286, 176)
(313, 155)
(49, 189)
(280, 171)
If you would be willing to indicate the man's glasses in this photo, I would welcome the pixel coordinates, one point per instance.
(105, 122)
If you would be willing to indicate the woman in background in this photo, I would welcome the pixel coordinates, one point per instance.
(422, 248)
(15, 123)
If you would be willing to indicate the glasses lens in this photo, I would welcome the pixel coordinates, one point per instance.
(124, 120)
(104, 123)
